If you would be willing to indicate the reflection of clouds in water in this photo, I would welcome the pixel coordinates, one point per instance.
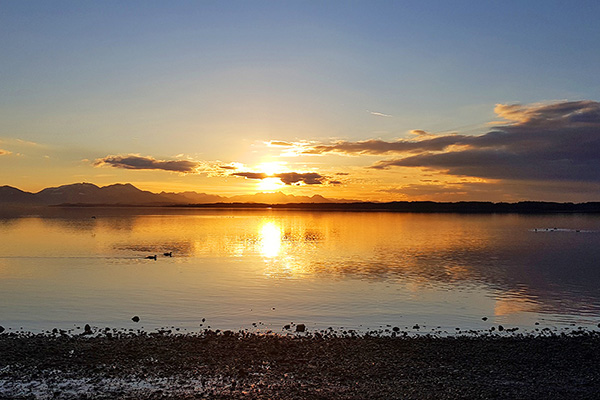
(515, 302)
(497, 254)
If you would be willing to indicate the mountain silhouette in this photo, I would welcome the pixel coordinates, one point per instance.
(127, 194)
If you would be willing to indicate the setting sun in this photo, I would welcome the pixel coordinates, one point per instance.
(272, 168)
(270, 184)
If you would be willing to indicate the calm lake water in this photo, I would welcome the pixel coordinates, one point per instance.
(348, 270)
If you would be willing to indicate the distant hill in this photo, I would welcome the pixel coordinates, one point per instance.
(127, 194)
(88, 193)
(9, 194)
(280, 198)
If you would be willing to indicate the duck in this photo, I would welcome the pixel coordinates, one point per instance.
(169, 254)
(151, 257)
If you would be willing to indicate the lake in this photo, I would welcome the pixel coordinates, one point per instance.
(263, 269)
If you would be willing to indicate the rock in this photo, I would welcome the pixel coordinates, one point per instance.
(416, 326)
(135, 319)
(87, 329)
(287, 327)
(500, 328)
(484, 318)
(2, 329)
(300, 328)
(396, 329)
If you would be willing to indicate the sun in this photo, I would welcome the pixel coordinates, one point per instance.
(271, 168)
(270, 184)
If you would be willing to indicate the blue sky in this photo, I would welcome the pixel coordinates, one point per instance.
(210, 80)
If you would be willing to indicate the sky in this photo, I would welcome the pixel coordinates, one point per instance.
(365, 100)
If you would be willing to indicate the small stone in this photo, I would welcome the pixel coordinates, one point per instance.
(287, 326)
(416, 326)
(87, 329)
(135, 319)
(300, 328)
(484, 318)
(396, 329)
(500, 328)
(2, 329)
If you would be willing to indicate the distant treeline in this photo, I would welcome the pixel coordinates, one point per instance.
(525, 207)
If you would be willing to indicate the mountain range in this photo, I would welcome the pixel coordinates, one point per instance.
(127, 194)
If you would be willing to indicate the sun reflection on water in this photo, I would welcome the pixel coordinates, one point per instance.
(270, 239)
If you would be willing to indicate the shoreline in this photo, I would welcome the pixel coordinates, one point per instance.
(297, 366)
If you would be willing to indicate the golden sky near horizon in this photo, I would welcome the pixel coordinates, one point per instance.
(354, 102)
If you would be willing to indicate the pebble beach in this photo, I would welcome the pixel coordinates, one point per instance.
(318, 365)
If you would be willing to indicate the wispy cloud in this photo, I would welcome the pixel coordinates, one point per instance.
(382, 147)
(135, 161)
(378, 114)
(4, 152)
(279, 143)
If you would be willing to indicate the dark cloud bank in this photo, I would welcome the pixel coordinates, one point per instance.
(549, 142)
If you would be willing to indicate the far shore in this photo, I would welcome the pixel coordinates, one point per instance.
(241, 365)
(466, 207)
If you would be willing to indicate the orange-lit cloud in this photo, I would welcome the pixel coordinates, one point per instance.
(279, 143)
(134, 161)
(382, 147)
(4, 152)
(288, 178)
(558, 141)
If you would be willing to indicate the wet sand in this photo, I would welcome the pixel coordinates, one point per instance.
(229, 365)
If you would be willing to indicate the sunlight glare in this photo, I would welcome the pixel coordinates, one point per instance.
(269, 184)
(271, 168)
(270, 238)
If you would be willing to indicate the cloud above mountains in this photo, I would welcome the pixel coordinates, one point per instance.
(558, 141)
(137, 162)
(134, 161)
(288, 178)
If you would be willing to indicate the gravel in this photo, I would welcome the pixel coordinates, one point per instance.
(241, 365)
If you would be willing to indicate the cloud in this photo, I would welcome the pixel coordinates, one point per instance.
(378, 114)
(420, 132)
(279, 143)
(251, 175)
(382, 147)
(4, 152)
(134, 161)
(310, 178)
(556, 141)
(288, 178)
(545, 142)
